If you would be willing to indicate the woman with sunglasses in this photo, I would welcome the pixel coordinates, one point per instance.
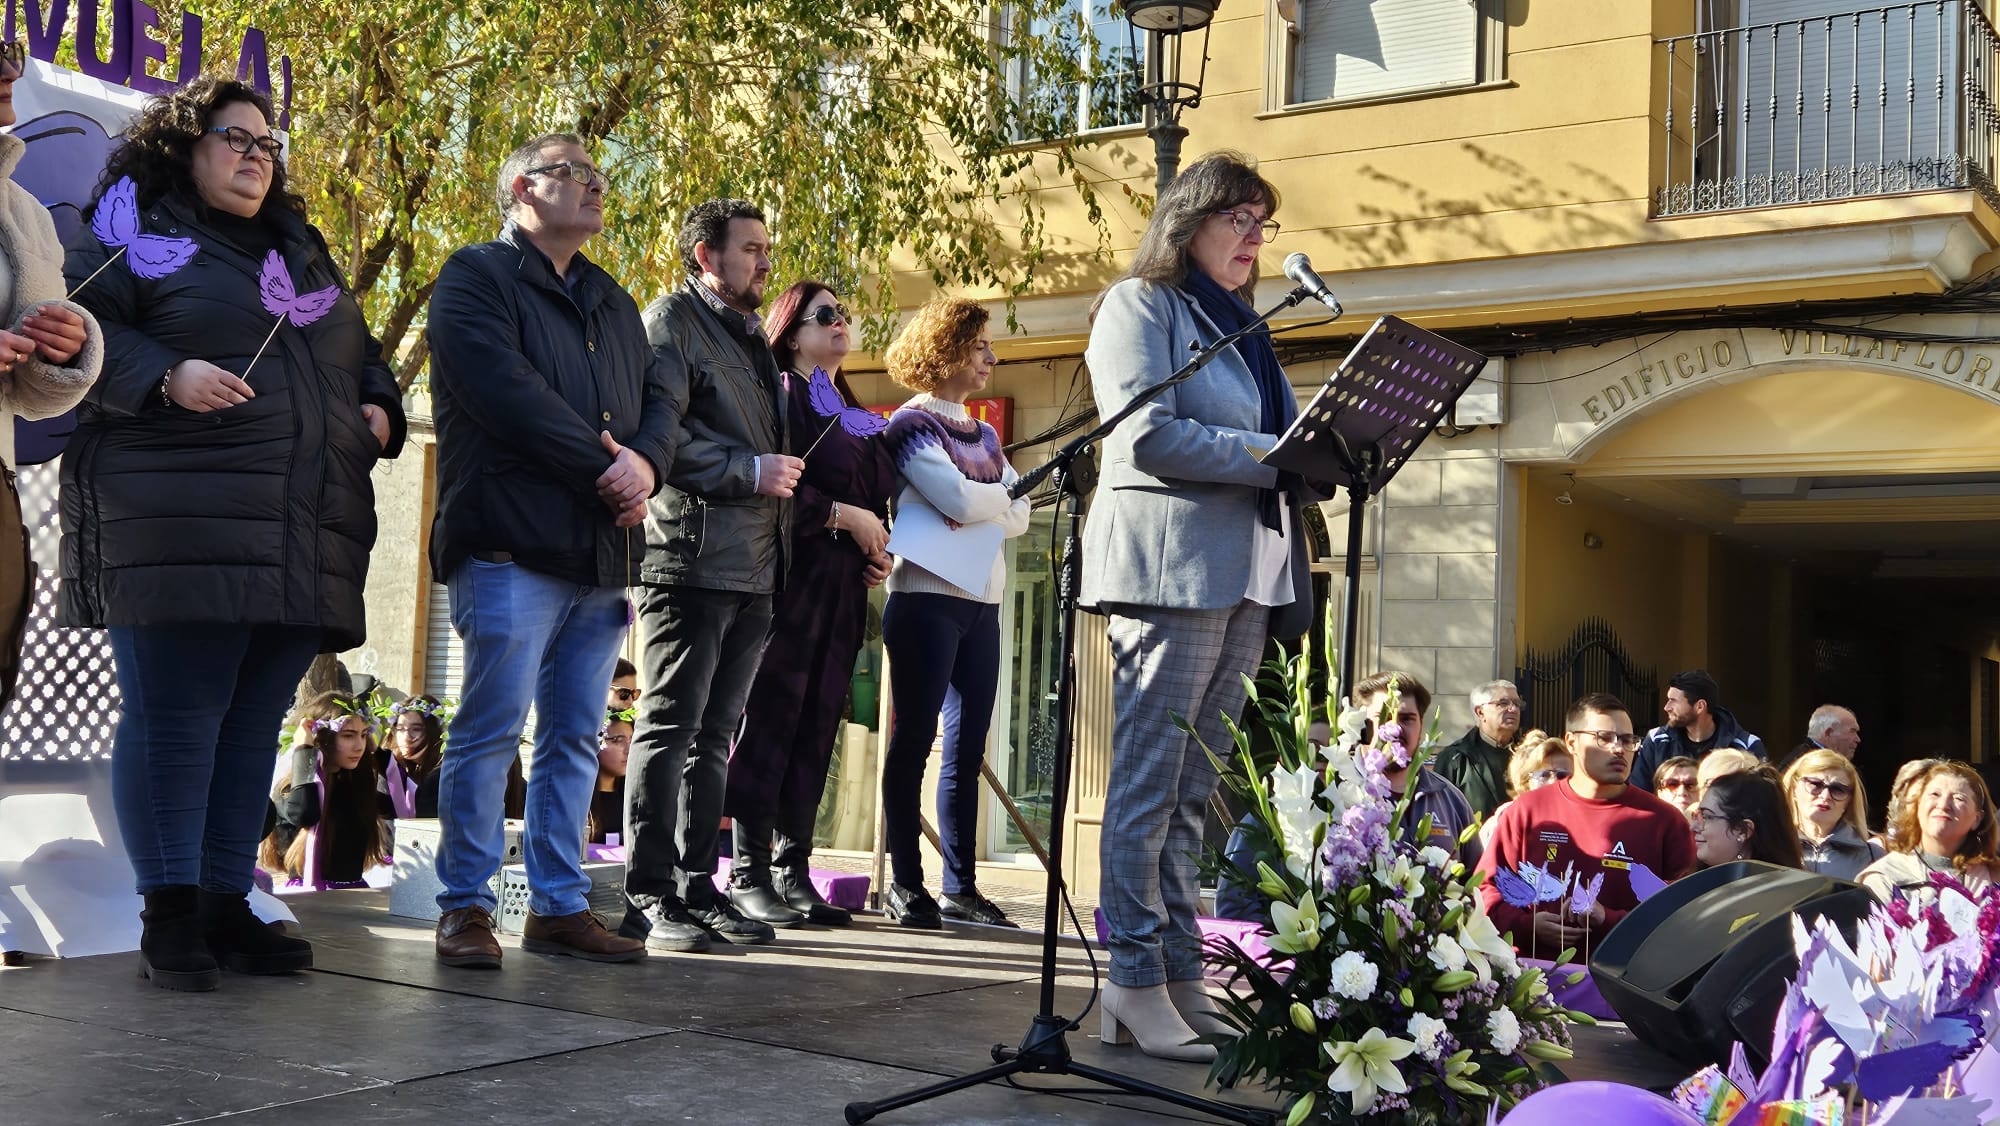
(217, 516)
(50, 352)
(840, 535)
(1831, 809)
(1538, 760)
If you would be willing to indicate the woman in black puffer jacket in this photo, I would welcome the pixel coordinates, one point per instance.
(217, 516)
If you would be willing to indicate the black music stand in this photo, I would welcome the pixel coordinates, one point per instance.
(1376, 408)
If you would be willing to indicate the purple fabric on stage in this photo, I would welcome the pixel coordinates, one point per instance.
(842, 889)
(777, 771)
(1247, 935)
(1583, 996)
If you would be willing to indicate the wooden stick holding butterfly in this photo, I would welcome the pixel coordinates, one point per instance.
(828, 402)
(116, 224)
(282, 300)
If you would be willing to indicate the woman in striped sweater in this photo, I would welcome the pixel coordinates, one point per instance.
(943, 640)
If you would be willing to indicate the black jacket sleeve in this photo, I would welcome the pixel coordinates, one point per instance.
(134, 363)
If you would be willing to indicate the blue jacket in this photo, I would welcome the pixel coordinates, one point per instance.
(1663, 743)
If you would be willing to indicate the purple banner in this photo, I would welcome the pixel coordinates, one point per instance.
(134, 57)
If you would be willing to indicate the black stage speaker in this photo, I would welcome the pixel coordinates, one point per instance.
(1704, 963)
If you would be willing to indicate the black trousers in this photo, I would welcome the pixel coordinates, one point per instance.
(698, 655)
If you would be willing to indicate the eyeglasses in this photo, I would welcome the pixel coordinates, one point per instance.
(1712, 815)
(1244, 222)
(586, 174)
(826, 316)
(14, 55)
(243, 140)
(1678, 784)
(1548, 775)
(1616, 738)
(1503, 705)
(1818, 786)
(625, 695)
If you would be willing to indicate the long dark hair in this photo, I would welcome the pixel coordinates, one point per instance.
(1756, 797)
(158, 147)
(424, 708)
(349, 807)
(1219, 181)
(787, 316)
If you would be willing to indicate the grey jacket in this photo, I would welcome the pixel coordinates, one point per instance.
(1172, 521)
(1842, 855)
(708, 527)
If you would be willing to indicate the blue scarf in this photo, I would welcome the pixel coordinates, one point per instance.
(1276, 405)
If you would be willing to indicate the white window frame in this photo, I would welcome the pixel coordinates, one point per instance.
(1281, 50)
(1004, 16)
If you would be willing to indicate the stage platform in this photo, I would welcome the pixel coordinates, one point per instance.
(378, 1032)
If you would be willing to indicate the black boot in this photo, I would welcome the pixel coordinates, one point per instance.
(171, 950)
(750, 887)
(791, 877)
(246, 944)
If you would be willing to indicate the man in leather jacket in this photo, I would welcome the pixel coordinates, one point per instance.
(719, 539)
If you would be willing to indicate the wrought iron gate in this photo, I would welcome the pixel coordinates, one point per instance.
(1592, 660)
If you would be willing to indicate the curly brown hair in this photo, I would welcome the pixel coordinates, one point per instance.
(1979, 846)
(938, 339)
(158, 148)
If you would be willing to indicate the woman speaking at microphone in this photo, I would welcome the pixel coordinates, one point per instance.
(1194, 552)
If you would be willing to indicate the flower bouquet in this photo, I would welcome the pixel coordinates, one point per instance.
(1388, 995)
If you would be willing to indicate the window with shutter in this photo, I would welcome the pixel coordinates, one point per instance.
(1341, 50)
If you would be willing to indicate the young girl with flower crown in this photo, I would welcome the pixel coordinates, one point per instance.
(333, 816)
(415, 745)
(607, 801)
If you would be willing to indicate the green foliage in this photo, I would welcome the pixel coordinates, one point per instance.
(875, 133)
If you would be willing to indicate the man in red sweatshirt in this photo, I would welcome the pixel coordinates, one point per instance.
(1593, 822)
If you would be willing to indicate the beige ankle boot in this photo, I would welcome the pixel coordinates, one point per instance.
(1147, 1014)
(1200, 1005)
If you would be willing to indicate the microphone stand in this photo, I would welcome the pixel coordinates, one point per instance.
(1045, 1048)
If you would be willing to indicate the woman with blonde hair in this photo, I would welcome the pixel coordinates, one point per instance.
(1727, 760)
(1831, 810)
(943, 639)
(1946, 826)
(1538, 759)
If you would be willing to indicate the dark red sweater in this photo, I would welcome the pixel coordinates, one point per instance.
(1553, 827)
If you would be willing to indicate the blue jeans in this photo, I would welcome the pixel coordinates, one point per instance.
(529, 638)
(945, 652)
(197, 741)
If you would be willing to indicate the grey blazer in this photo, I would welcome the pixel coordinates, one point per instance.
(1176, 505)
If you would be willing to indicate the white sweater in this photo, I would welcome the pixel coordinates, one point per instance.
(934, 477)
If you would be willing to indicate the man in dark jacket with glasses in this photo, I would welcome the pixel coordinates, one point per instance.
(554, 427)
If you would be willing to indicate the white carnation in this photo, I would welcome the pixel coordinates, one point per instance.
(1503, 1030)
(1447, 954)
(1429, 1033)
(1353, 976)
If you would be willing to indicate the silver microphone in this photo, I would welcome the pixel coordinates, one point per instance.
(1299, 268)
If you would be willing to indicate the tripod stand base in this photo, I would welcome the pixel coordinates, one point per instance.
(1045, 1051)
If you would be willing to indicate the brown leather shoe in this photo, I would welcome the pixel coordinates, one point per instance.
(465, 938)
(579, 936)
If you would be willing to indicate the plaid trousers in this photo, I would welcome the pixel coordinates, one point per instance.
(1165, 663)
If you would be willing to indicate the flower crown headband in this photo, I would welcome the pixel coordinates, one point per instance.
(614, 715)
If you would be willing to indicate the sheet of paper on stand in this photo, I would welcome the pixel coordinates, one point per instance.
(961, 556)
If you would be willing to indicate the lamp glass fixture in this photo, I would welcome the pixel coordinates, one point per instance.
(1169, 16)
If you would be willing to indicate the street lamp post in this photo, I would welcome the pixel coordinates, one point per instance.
(1166, 93)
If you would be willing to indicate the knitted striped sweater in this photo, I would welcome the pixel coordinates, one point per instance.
(951, 462)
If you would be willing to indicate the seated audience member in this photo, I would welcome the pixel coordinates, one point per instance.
(1540, 759)
(1947, 821)
(1592, 823)
(1718, 763)
(607, 802)
(416, 746)
(1899, 796)
(1478, 762)
(1743, 815)
(1831, 810)
(1678, 783)
(333, 818)
(1434, 796)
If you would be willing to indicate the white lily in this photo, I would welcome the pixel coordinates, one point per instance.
(1483, 946)
(1367, 1067)
(1295, 927)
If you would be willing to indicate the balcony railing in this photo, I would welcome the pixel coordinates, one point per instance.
(1869, 101)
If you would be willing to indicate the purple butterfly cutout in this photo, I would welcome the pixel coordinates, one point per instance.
(1645, 883)
(116, 224)
(827, 403)
(1584, 896)
(1517, 891)
(282, 299)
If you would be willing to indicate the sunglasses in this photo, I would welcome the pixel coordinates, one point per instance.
(826, 316)
(625, 695)
(243, 140)
(1548, 775)
(1816, 787)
